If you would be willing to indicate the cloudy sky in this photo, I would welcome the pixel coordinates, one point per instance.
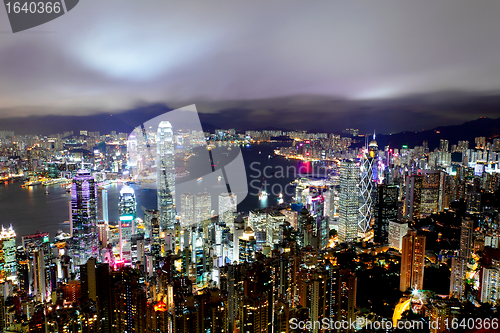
(438, 61)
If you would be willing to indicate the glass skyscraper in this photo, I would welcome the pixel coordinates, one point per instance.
(348, 203)
(128, 211)
(8, 241)
(84, 242)
(368, 164)
(165, 174)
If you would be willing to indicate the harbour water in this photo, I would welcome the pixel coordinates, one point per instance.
(30, 209)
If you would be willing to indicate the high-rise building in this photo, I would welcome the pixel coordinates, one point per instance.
(466, 239)
(202, 207)
(227, 208)
(366, 185)
(102, 205)
(148, 216)
(8, 244)
(348, 201)
(385, 209)
(490, 283)
(443, 145)
(84, 242)
(397, 230)
(187, 209)
(39, 275)
(165, 174)
(473, 203)
(23, 269)
(412, 261)
(413, 197)
(127, 208)
(457, 277)
(432, 192)
(247, 245)
(480, 142)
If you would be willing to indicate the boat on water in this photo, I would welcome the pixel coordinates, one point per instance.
(46, 192)
(263, 195)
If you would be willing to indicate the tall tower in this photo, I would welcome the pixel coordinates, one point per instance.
(227, 208)
(165, 174)
(8, 241)
(84, 242)
(385, 209)
(412, 261)
(127, 209)
(366, 185)
(202, 207)
(187, 209)
(348, 202)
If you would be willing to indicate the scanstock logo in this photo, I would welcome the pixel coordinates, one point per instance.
(170, 154)
(26, 14)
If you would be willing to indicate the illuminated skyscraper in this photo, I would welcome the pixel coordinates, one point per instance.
(412, 261)
(247, 245)
(348, 201)
(413, 197)
(368, 164)
(385, 209)
(432, 192)
(127, 209)
(187, 209)
(165, 174)
(102, 205)
(202, 207)
(397, 230)
(227, 208)
(85, 242)
(8, 241)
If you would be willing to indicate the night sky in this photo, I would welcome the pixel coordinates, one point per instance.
(393, 65)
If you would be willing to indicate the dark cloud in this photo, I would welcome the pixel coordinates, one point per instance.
(344, 59)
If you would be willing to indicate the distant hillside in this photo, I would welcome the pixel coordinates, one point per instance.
(127, 121)
(486, 127)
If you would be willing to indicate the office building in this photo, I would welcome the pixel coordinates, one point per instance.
(348, 201)
(127, 209)
(412, 261)
(227, 208)
(385, 209)
(413, 197)
(84, 242)
(366, 185)
(186, 207)
(8, 245)
(165, 181)
(397, 230)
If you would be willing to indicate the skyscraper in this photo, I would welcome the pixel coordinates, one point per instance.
(348, 202)
(187, 209)
(432, 192)
(397, 230)
(165, 174)
(385, 209)
(227, 208)
(412, 261)
(247, 244)
(202, 207)
(102, 204)
(368, 164)
(413, 197)
(127, 210)
(8, 241)
(84, 242)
